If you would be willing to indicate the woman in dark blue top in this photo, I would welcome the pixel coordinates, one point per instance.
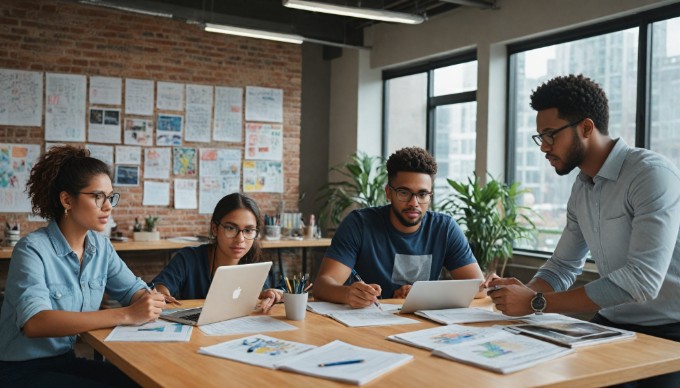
(234, 227)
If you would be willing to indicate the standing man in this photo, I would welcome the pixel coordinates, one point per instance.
(393, 246)
(624, 208)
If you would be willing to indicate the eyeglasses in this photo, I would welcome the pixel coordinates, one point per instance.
(100, 198)
(549, 136)
(404, 195)
(230, 231)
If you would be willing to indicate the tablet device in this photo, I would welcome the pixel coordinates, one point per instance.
(440, 294)
(233, 293)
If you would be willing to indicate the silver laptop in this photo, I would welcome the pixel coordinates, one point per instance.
(440, 294)
(233, 293)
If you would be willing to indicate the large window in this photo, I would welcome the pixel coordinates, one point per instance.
(434, 106)
(643, 110)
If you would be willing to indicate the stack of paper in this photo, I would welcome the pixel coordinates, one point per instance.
(463, 315)
(325, 308)
(367, 316)
(259, 350)
(341, 357)
(487, 347)
(336, 360)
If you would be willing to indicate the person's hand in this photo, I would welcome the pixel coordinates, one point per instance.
(146, 309)
(402, 291)
(166, 294)
(362, 294)
(489, 278)
(511, 296)
(269, 298)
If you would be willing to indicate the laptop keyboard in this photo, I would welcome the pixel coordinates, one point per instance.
(192, 317)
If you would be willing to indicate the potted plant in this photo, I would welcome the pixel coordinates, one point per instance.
(364, 187)
(491, 218)
(148, 232)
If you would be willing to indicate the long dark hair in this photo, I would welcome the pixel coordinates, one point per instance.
(62, 168)
(230, 203)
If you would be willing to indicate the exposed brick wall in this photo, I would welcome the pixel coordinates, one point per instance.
(65, 37)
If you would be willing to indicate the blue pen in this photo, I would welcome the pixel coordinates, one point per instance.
(347, 362)
(356, 275)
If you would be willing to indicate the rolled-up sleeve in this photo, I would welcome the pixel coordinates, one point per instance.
(121, 283)
(26, 286)
(567, 261)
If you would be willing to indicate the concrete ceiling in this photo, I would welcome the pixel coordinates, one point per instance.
(271, 15)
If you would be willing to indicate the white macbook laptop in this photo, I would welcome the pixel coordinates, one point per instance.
(233, 293)
(440, 294)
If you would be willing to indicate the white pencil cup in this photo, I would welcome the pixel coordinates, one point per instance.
(296, 306)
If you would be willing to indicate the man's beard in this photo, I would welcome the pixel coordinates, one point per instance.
(575, 156)
(405, 222)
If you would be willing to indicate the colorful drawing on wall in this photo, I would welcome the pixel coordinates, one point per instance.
(184, 161)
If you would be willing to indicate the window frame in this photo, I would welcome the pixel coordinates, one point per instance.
(427, 67)
(643, 21)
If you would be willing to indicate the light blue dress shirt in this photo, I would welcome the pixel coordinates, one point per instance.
(628, 216)
(45, 274)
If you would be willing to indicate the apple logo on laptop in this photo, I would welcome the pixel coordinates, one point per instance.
(236, 293)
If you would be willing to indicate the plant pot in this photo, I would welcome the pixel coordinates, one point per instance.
(147, 236)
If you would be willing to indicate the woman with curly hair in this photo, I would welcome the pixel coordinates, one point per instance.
(58, 275)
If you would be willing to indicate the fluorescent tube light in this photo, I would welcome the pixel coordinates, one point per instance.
(127, 9)
(259, 34)
(366, 13)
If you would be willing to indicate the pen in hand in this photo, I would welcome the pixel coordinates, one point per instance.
(356, 275)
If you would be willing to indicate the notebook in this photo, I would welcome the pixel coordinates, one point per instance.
(233, 293)
(440, 294)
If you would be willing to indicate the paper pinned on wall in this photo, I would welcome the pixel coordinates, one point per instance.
(156, 193)
(198, 113)
(105, 90)
(264, 104)
(228, 121)
(21, 97)
(169, 96)
(65, 107)
(16, 161)
(139, 97)
(185, 194)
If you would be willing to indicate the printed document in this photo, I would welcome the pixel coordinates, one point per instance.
(159, 331)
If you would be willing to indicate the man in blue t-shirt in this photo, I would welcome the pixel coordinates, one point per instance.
(393, 246)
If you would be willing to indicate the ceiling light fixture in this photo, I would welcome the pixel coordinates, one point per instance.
(259, 34)
(126, 8)
(366, 13)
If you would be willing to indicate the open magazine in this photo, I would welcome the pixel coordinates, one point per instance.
(336, 360)
(490, 348)
(572, 334)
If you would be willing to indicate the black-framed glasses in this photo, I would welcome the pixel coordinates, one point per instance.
(231, 231)
(404, 195)
(549, 136)
(100, 198)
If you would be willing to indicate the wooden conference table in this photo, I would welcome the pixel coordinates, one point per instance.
(179, 364)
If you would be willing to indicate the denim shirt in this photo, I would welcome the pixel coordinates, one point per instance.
(628, 216)
(45, 274)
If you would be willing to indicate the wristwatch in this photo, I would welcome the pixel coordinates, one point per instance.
(538, 303)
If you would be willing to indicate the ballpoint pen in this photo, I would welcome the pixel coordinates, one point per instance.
(356, 275)
(347, 362)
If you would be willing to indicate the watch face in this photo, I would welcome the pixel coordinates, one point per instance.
(538, 302)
